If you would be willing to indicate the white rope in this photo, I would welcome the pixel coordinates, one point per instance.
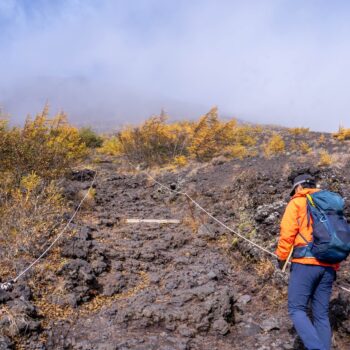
(210, 215)
(217, 220)
(8, 284)
(346, 289)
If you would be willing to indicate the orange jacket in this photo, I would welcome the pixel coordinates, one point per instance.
(294, 221)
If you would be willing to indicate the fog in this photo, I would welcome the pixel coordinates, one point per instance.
(109, 62)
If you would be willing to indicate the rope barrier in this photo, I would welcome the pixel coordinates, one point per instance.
(214, 218)
(7, 285)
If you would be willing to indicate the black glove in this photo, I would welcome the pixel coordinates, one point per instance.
(281, 263)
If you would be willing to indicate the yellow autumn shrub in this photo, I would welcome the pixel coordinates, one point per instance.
(158, 142)
(111, 146)
(30, 214)
(153, 142)
(276, 145)
(47, 146)
(207, 134)
(180, 161)
(32, 158)
(325, 158)
(343, 134)
(236, 151)
(298, 131)
(212, 137)
(305, 147)
(322, 139)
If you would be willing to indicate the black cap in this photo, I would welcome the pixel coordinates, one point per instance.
(300, 179)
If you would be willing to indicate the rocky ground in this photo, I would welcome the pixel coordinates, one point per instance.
(112, 285)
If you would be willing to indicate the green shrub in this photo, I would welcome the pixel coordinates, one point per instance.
(90, 137)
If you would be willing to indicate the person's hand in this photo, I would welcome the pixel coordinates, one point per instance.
(281, 263)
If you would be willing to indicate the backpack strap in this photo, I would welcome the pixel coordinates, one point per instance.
(310, 200)
(302, 236)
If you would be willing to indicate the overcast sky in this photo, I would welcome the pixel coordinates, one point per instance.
(269, 61)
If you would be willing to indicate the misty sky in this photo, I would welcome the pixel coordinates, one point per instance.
(109, 62)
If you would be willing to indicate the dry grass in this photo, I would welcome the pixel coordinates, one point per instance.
(264, 268)
(12, 323)
(54, 313)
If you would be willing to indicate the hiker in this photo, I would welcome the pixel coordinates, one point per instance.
(310, 278)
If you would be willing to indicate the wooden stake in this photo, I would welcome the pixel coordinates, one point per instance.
(153, 221)
(286, 263)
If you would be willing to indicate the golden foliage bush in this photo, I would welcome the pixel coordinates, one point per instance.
(305, 147)
(343, 134)
(298, 131)
(236, 151)
(321, 140)
(276, 145)
(212, 137)
(111, 146)
(325, 158)
(157, 142)
(207, 135)
(32, 158)
(180, 161)
(48, 147)
(29, 216)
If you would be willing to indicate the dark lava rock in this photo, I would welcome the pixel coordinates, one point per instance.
(115, 283)
(79, 245)
(4, 296)
(78, 270)
(82, 175)
(22, 315)
(5, 343)
(204, 231)
(340, 313)
(21, 290)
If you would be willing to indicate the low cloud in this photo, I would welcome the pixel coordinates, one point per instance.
(110, 62)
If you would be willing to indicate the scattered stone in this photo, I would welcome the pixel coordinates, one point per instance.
(221, 326)
(244, 299)
(270, 324)
(212, 275)
(251, 329)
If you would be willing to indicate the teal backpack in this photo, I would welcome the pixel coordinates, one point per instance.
(331, 232)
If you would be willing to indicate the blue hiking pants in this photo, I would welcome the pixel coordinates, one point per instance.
(311, 283)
